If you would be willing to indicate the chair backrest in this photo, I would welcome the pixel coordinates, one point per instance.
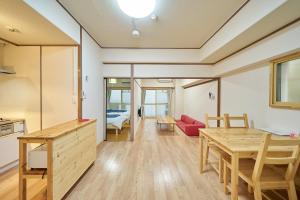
(208, 118)
(291, 159)
(228, 119)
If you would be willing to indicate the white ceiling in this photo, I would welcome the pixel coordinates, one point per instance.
(181, 24)
(34, 29)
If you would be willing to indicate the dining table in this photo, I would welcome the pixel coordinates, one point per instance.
(238, 143)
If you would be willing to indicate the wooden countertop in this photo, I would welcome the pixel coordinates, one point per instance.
(57, 131)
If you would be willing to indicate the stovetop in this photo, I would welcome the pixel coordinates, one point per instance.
(4, 121)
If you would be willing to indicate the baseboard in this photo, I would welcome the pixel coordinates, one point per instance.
(9, 166)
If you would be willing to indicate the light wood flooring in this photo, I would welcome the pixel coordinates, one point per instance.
(113, 137)
(157, 165)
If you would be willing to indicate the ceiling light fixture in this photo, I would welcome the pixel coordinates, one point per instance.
(137, 8)
(154, 17)
(135, 33)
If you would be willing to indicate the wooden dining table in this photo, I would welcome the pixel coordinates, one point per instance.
(237, 143)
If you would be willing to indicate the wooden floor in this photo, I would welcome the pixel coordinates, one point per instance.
(122, 136)
(157, 165)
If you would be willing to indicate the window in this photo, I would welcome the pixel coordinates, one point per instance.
(118, 99)
(157, 102)
(116, 96)
(150, 97)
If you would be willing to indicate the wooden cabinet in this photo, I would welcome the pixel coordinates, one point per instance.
(71, 150)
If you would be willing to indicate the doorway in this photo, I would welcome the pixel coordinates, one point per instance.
(117, 109)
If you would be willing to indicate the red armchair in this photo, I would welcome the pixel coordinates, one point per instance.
(189, 125)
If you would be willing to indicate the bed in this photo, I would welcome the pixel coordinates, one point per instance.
(116, 119)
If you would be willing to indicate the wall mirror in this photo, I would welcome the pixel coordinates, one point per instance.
(285, 82)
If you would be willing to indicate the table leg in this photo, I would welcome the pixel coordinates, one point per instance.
(201, 154)
(173, 129)
(22, 169)
(234, 176)
(49, 170)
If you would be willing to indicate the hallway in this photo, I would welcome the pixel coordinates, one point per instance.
(157, 165)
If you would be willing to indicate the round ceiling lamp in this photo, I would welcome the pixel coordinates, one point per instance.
(137, 8)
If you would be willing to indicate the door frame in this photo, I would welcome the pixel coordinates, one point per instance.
(132, 87)
(105, 83)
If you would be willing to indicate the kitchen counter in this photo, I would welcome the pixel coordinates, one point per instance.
(70, 151)
(57, 131)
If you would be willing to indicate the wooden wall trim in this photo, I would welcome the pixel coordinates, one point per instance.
(199, 82)
(154, 47)
(41, 88)
(219, 101)
(234, 14)
(38, 45)
(81, 26)
(10, 42)
(132, 113)
(48, 45)
(156, 88)
(79, 95)
(238, 10)
(175, 77)
(260, 39)
(156, 63)
(166, 48)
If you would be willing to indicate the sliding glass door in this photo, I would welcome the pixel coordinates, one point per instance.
(157, 102)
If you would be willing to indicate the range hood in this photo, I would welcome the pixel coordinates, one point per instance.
(7, 70)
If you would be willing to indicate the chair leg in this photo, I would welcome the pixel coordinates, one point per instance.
(257, 192)
(206, 153)
(221, 170)
(225, 178)
(292, 191)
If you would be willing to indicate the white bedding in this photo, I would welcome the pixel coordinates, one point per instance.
(118, 121)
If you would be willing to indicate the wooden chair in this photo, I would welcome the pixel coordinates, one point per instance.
(263, 174)
(218, 153)
(228, 119)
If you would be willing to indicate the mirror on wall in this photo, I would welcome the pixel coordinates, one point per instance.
(285, 82)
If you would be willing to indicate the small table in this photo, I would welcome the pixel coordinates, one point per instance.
(166, 120)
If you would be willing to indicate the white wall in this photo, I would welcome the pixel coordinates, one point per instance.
(197, 102)
(155, 83)
(20, 93)
(92, 105)
(240, 23)
(248, 92)
(116, 70)
(172, 71)
(53, 12)
(59, 88)
(151, 55)
(282, 43)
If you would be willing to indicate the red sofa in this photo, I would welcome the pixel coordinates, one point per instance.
(189, 125)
